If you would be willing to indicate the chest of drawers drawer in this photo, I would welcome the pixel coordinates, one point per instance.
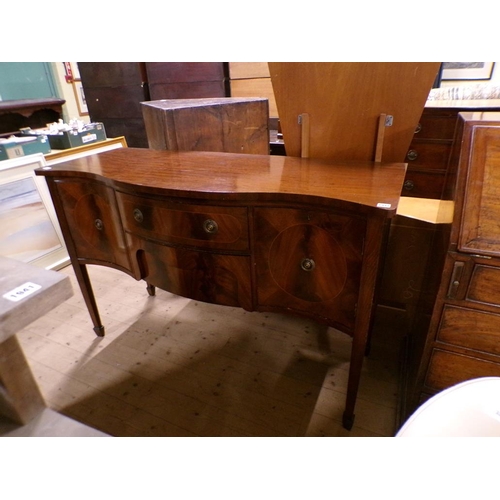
(469, 328)
(447, 369)
(436, 124)
(423, 184)
(200, 226)
(484, 285)
(428, 155)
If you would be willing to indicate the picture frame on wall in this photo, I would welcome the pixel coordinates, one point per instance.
(467, 70)
(80, 97)
(29, 229)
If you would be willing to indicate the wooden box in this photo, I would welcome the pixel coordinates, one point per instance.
(231, 125)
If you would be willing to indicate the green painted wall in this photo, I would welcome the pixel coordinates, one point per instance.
(26, 80)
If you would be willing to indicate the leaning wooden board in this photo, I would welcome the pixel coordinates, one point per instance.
(344, 102)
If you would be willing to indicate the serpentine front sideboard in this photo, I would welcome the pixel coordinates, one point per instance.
(261, 232)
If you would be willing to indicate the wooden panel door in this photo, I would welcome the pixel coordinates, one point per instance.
(113, 92)
(88, 211)
(310, 261)
(186, 80)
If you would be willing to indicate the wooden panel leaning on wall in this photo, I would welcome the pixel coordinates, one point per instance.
(252, 80)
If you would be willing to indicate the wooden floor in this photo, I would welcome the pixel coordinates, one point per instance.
(169, 366)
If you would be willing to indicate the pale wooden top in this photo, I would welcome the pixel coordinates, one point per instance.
(427, 210)
(14, 316)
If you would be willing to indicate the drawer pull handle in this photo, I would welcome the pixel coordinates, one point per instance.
(418, 128)
(307, 264)
(458, 269)
(210, 226)
(98, 224)
(408, 185)
(138, 217)
(412, 155)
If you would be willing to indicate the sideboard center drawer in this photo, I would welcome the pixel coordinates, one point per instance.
(202, 226)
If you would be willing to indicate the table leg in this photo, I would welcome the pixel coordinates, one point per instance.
(20, 397)
(364, 317)
(88, 295)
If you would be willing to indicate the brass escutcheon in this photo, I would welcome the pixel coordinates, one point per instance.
(138, 215)
(210, 226)
(307, 264)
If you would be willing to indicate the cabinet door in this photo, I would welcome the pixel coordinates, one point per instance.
(185, 80)
(93, 222)
(479, 230)
(310, 261)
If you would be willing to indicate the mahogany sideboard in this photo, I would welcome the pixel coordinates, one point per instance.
(261, 232)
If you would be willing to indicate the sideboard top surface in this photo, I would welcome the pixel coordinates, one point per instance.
(245, 177)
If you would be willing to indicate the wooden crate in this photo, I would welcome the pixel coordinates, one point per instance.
(232, 125)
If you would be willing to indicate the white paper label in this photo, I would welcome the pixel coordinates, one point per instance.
(89, 138)
(21, 292)
(384, 205)
(15, 152)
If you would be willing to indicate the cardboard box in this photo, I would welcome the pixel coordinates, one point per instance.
(94, 132)
(24, 146)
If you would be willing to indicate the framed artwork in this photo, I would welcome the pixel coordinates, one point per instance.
(80, 97)
(71, 72)
(29, 229)
(467, 70)
(56, 157)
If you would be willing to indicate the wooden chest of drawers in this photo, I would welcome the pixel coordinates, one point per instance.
(429, 153)
(463, 339)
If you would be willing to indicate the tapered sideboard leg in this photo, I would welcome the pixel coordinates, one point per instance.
(88, 295)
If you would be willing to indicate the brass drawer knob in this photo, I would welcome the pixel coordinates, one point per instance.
(408, 185)
(418, 128)
(210, 226)
(138, 217)
(98, 224)
(307, 264)
(412, 155)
